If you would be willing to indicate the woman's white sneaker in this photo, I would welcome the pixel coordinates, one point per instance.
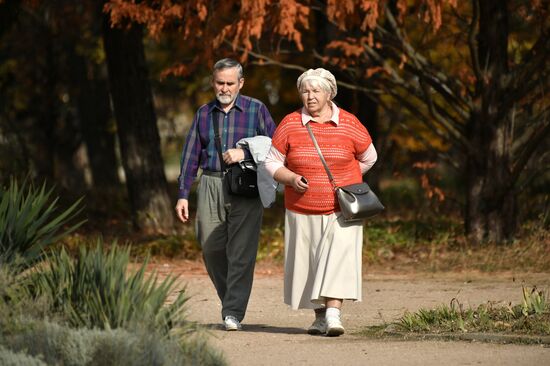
(334, 326)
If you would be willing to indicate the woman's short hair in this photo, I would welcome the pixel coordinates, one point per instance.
(323, 77)
(316, 83)
(228, 63)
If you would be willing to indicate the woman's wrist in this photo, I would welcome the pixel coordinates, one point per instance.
(285, 176)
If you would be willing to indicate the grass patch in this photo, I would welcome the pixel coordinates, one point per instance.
(530, 318)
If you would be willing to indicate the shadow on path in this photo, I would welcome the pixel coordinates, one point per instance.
(260, 328)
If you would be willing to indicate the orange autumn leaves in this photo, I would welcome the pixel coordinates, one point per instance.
(241, 24)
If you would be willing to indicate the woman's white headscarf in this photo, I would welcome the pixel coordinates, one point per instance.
(323, 76)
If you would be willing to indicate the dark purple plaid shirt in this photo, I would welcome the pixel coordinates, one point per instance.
(247, 118)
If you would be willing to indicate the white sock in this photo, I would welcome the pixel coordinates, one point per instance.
(333, 313)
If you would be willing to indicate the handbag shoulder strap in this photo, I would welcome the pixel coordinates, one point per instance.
(330, 177)
(217, 140)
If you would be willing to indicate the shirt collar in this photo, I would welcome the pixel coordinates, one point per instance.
(306, 117)
(238, 104)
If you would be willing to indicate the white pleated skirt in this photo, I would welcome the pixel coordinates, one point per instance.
(322, 259)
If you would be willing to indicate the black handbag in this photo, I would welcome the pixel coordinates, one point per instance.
(357, 201)
(241, 178)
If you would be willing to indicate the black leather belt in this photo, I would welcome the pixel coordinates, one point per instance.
(212, 173)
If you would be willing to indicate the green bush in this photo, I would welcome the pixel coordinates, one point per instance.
(95, 290)
(9, 358)
(30, 221)
(27, 339)
(58, 345)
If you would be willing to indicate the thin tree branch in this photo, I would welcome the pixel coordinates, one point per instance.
(267, 61)
(534, 142)
(458, 137)
(426, 143)
(472, 40)
(423, 117)
(422, 63)
(531, 124)
(436, 111)
(460, 106)
(542, 169)
(529, 70)
(523, 89)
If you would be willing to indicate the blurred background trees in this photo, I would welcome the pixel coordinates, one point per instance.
(95, 93)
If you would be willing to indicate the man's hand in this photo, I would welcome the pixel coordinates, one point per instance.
(233, 156)
(182, 210)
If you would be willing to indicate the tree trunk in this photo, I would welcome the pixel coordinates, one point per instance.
(44, 113)
(91, 92)
(137, 129)
(490, 198)
(69, 171)
(491, 209)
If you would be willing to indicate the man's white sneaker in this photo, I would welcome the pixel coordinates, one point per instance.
(319, 326)
(334, 326)
(231, 323)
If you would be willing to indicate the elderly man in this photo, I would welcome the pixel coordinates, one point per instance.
(228, 226)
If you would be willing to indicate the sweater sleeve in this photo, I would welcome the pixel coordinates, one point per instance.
(367, 159)
(274, 160)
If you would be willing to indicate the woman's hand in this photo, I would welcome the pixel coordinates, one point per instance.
(299, 183)
(289, 178)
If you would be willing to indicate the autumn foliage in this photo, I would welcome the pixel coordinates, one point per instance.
(241, 24)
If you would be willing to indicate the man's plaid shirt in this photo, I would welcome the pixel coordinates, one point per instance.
(247, 118)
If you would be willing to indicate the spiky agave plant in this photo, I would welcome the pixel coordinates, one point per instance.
(95, 289)
(30, 221)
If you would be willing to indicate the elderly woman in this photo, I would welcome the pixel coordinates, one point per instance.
(322, 252)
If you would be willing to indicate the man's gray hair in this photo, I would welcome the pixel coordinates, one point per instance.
(228, 63)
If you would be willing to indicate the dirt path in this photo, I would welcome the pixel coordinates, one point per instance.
(275, 335)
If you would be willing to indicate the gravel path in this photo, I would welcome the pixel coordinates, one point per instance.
(275, 335)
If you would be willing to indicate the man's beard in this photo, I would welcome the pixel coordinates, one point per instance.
(225, 98)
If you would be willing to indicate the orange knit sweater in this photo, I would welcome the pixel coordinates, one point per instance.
(340, 144)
